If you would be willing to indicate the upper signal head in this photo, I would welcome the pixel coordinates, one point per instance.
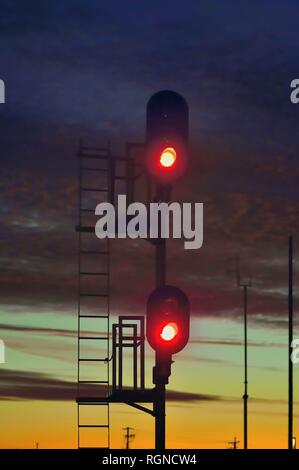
(166, 136)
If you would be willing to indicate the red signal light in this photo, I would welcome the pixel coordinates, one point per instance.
(168, 157)
(167, 128)
(169, 331)
(168, 320)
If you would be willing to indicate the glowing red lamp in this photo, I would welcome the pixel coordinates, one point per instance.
(169, 331)
(168, 157)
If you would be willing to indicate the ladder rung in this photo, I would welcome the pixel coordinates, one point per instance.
(92, 400)
(89, 273)
(91, 360)
(93, 382)
(91, 403)
(104, 170)
(95, 149)
(123, 178)
(101, 190)
(94, 337)
(84, 228)
(93, 316)
(92, 156)
(93, 295)
(93, 425)
(86, 252)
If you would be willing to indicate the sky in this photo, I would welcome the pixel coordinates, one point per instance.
(86, 69)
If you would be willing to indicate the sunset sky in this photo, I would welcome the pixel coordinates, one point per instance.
(86, 69)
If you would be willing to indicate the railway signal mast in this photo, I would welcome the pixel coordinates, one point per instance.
(168, 310)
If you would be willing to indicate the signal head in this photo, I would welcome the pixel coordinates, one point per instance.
(168, 318)
(166, 136)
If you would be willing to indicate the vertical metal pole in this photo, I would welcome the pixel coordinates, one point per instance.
(148, 190)
(159, 409)
(160, 262)
(111, 179)
(120, 355)
(159, 405)
(142, 384)
(79, 284)
(245, 396)
(111, 197)
(135, 357)
(114, 339)
(290, 301)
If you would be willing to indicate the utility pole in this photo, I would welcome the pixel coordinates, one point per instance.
(129, 436)
(234, 444)
(290, 364)
(245, 285)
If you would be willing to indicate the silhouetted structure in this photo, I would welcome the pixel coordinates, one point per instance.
(234, 443)
(245, 285)
(129, 436)
(96, 168)
(290, 363)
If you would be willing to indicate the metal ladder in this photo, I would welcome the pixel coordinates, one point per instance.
(96, 170)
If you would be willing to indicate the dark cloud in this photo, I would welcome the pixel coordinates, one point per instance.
(235, 342)
(20, 385)
(193, 340)
(34, 329)
(87, 69)
(40, 264)
(187, 397)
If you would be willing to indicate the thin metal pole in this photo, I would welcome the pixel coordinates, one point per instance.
(135, 357)
(120, 356)
(142, 384)
(78, 287)
(159, 404)
(114, 339)
(159, 409)
(290, 301)
(160, 262)
(245, 396)
(128, 436)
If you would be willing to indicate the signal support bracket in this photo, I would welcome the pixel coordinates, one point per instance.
(162, 370)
